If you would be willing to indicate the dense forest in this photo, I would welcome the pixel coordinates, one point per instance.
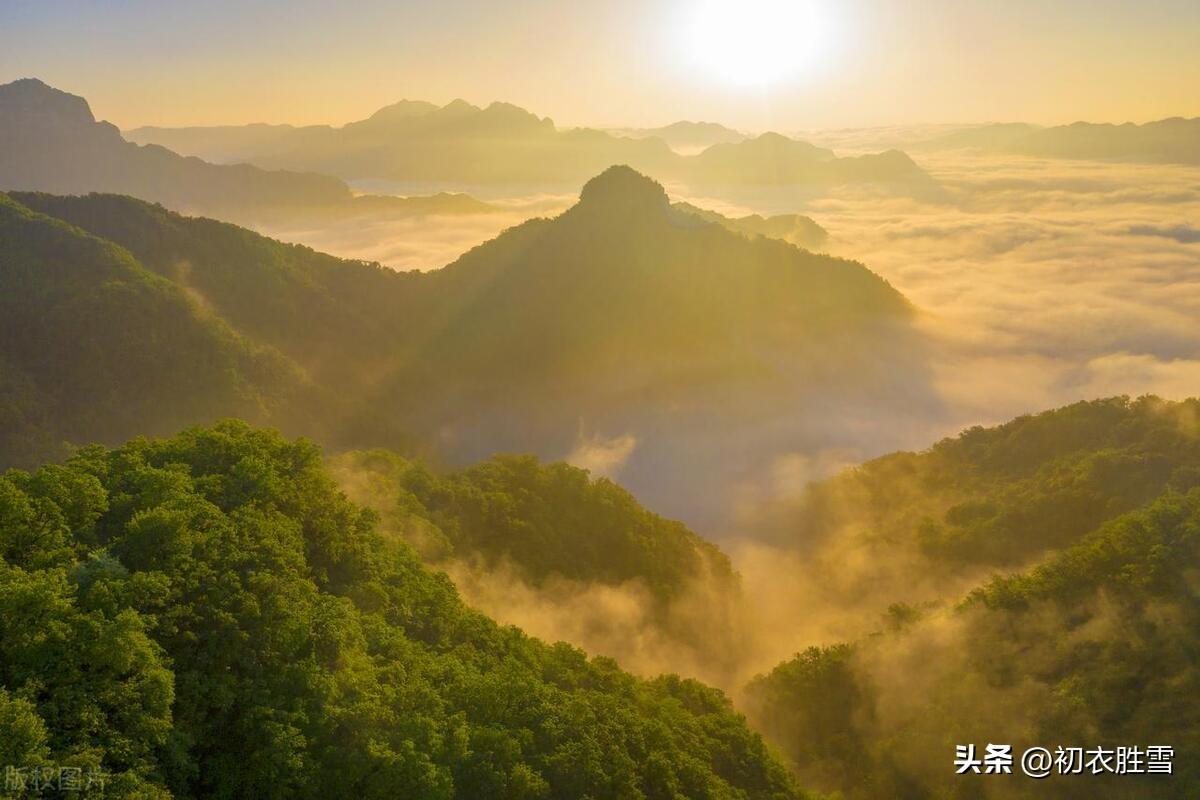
(207, 616)
(549, 547)
(94, 347)
(1093, 644)
(545, 519)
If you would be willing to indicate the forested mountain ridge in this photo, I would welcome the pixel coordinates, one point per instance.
(547, 520)
(622, 315)
(96, 347)
(1002, 496)
(206, 616)
(328, 313)
(1087, 638)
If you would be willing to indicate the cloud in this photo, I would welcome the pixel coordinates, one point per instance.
(1040, 280)
(602, 456)
(1038, 283)
(404, 241)
(1126, 373)
(1185, 234)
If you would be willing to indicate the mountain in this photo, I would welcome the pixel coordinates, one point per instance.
(686, 137)
(620, 318)
(221, 144)
(775, 160)
(625, 318)
(50, 142)
(1081, 530)
(98, 348)
(415, 141)
(985, 137)
(208, 616)
(566, 554)
(795, 229)
(990, 500)
(502, 143)
(556, 521)
(1169, 141)
(333, 317)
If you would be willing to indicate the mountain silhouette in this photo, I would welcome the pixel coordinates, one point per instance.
(1174, 141)
(51, 142)
(1169, 141)
(502, 143)
(795, 229)
(686, 137)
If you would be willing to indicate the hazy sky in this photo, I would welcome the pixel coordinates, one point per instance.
(779, 64)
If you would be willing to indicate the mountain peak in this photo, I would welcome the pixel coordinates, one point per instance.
(404, 109)
(459, 106)
(32, 97)
(623, 188)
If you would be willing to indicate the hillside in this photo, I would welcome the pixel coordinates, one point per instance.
(622, 316)
(921, 527)
(95, 347)
(333, 316)
(794, 229)
(563, 554)
(1086, 638)
(206, 616)
(626, 319)
(547, 520)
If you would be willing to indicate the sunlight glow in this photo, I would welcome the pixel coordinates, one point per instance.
(756, 43)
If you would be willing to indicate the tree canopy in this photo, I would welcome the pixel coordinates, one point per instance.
(208, 615)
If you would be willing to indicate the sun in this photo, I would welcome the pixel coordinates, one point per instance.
(755, 43)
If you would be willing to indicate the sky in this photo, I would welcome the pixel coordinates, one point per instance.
(752, 64)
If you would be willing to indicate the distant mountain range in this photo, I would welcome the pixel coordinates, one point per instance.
(685, 137)
(623, 315)
(50, 141)
(502, 143)
(1173, 141)
(795, 229)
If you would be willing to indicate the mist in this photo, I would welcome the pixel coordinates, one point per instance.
(1037, 283)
